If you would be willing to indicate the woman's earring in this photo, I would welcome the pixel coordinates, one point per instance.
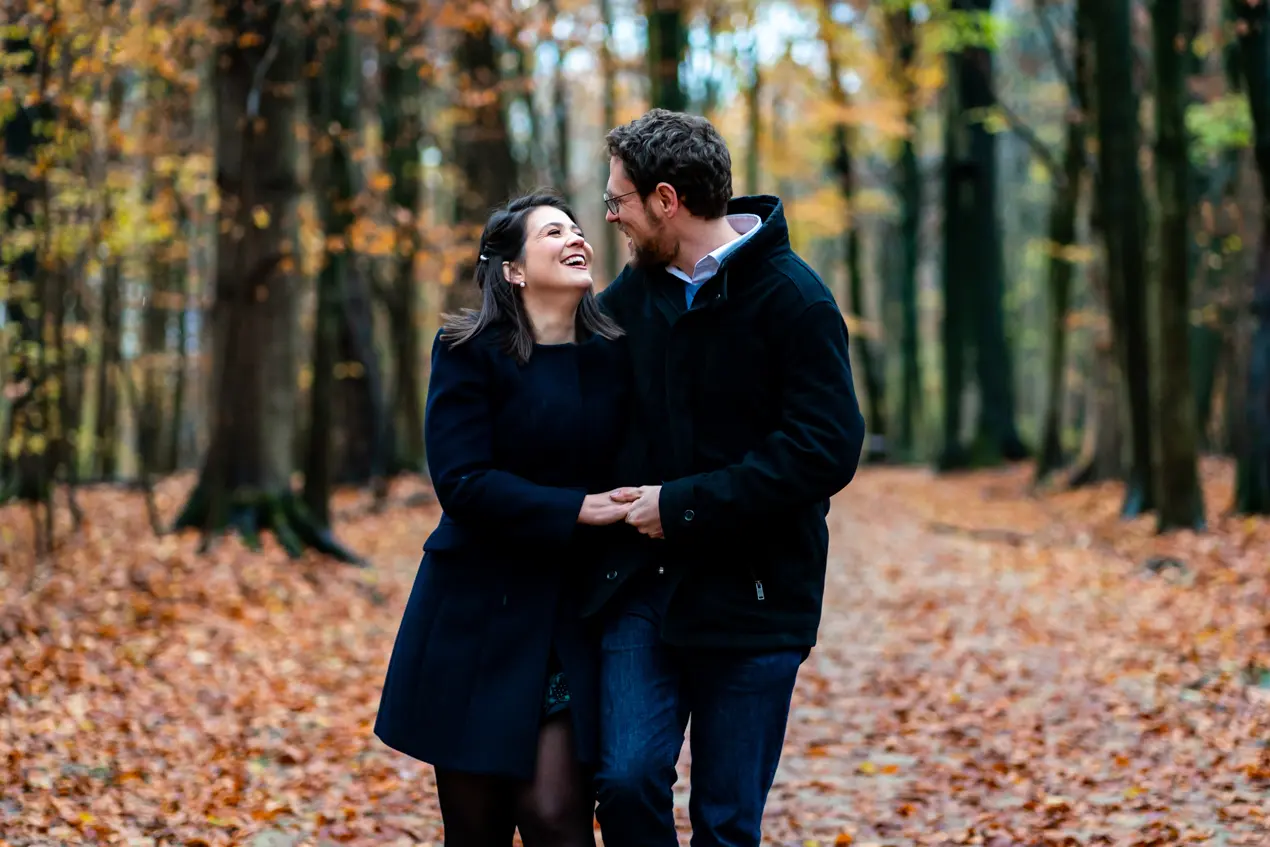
(521, 283)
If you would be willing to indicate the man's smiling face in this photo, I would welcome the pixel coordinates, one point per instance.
(649, 237)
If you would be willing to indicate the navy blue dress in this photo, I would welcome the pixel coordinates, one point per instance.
(494, 610)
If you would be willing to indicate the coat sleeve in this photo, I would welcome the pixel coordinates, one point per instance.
(811, 455)
(458, 432)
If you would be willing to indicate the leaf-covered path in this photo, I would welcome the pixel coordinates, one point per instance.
(994, 668)
(999, 669)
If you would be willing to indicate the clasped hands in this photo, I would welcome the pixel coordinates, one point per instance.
(640, 507)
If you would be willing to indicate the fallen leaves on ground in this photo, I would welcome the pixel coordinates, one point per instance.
(160, 696)
(995, 667)
(1000, 668)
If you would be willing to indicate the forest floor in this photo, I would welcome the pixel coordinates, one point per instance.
(995, 667)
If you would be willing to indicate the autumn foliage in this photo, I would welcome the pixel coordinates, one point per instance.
(999, 664)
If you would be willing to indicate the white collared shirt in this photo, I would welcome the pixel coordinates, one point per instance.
(745, 227)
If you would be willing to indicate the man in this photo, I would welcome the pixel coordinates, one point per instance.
(745, 424)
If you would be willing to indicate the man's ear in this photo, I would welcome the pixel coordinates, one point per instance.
(666, 198)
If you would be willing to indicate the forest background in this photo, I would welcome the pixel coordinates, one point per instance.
(230, 231)
(239, 223)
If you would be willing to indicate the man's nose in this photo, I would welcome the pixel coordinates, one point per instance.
(610, 217)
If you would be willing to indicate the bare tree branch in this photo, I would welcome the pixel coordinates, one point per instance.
(1029, 136)
(1056, 52)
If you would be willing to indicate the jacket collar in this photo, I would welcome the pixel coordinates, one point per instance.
(772, 236)
(773, 231)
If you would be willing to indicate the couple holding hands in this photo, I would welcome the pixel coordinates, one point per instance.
(634, 490)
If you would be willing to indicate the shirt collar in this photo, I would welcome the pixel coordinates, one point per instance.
(744, 225)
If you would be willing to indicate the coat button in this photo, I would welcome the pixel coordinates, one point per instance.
(688, 514)
(612, 575)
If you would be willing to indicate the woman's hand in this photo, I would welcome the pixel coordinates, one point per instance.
(607, 508)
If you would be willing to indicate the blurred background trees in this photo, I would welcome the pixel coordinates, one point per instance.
(230, 228)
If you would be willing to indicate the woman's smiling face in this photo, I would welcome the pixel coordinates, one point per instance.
(556, 255)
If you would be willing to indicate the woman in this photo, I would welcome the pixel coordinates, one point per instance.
(492, 677)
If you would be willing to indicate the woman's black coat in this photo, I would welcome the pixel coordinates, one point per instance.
(512, 450)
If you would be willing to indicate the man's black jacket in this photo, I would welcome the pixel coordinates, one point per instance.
(746, 414)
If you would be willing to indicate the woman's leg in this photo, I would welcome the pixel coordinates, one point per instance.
(476, 810)
(557, 809)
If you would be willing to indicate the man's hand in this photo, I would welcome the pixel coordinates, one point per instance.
(645, 513)
(608, 507)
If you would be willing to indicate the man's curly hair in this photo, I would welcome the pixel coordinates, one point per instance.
(684, 151)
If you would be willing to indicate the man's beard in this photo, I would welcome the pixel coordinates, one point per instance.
(658, 250)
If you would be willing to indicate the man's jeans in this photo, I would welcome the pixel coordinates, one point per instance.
(739, 703)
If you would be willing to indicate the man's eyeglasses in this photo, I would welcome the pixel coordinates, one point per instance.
(613, 204)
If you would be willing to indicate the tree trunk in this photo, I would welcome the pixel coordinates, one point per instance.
(910, 189)
(667, 41)
(844, 169)
(333, 113)
(996, 435)
(1215, 269)
(957, 277)
(1102, 455)
(1062, 237)
(608, 69)
(1252, 490)
(1206, 343)
(707, 104)
(154, 339)
(974, 280)
(180, 286)
(245, 482)
(107, 435)
(347, 422)
(408, 387)
(1211, 260)
(1178, 496)
(753, 106)
(59, 449)
(168, 272)
(482, 149)
(1124, 231)
(560, 155)
(26, 472)
(363, 426)
(402, 118)
(1102, 449)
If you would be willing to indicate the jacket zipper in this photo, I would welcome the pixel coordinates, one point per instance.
(758, 585)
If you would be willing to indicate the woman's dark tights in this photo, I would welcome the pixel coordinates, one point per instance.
(554, 810)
